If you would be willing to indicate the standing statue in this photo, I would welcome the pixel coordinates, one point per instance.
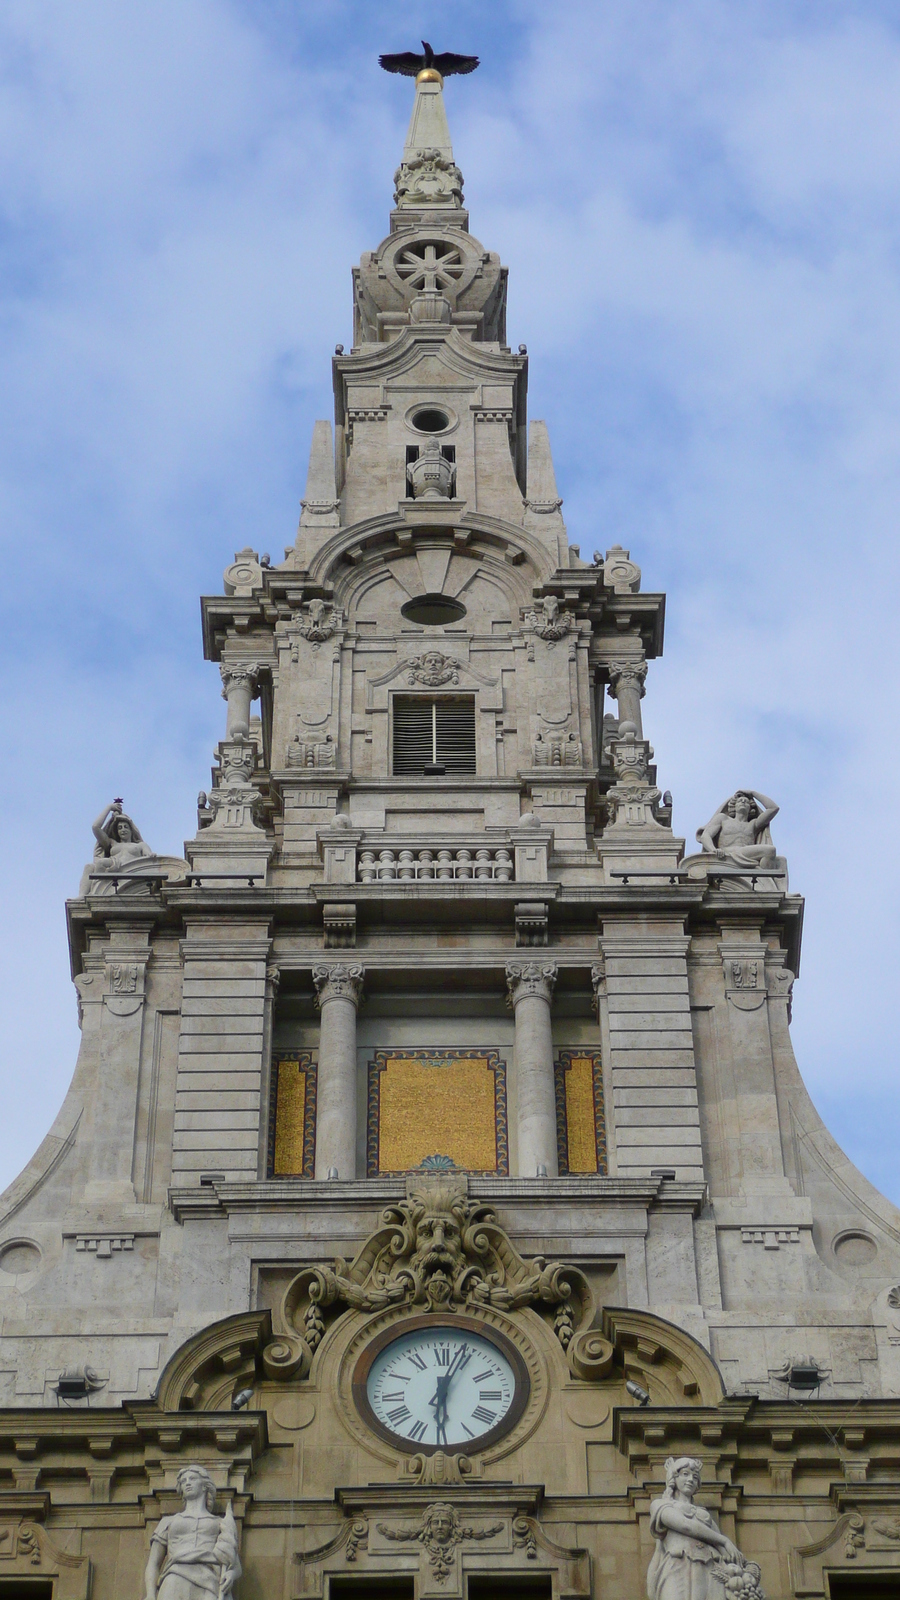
(739, 831)
(120, 851)
(194, 1554)
(693, 1560)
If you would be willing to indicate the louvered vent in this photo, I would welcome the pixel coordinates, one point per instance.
(433, 732)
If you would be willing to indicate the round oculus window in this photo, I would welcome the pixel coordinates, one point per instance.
(433, 610)
(430, 420)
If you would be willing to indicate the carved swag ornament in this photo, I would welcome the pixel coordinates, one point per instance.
(437, 1250)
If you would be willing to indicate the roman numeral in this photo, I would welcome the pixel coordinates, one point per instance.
(417, 1431)
(400, 1414)
(483, 1415)
(442, 1354)
(416, 1360)
(399, 1396)
(483, 1394)
(467, 1430)
(480, 1376)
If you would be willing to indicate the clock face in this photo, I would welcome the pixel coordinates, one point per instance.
(441, 1384)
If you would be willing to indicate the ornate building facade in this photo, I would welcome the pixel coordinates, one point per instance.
(437, 1208)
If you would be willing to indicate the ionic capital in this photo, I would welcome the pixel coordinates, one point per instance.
(628, 675)
(526, 978)
(341, 981)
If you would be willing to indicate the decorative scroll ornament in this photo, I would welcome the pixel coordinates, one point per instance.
(428, 179)
(433, 669)
(526, 978)
(439, 1533)
(319, 623)
(558, 750)
(317, 753)
(435, 1250)
(548, 622)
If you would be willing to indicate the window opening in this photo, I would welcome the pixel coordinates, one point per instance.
(433, 736)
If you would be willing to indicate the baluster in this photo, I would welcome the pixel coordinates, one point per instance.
(503, 866)
(426, 869)
(464, 863)
(445, 864)
(367, 873)
(483, 864)
(387, 867)
(407, 867)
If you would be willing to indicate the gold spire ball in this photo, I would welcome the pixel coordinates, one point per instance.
(428, 68)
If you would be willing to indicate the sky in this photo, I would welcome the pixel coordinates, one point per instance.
(697, 203)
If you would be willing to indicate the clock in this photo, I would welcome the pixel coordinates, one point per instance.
(440, 1383)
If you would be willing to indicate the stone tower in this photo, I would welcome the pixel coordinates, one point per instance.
(437, 1051)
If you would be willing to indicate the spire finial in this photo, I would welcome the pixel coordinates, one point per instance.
(412, 65)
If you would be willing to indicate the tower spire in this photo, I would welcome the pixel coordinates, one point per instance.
(428, 177)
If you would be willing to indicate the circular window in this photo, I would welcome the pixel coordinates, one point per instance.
(433, 610)
(855, 1249)
(20, 1256)
(430, 420)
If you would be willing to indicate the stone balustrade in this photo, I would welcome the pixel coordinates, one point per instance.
(440, 865)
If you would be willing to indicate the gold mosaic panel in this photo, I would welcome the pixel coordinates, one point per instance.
(293, 1117)
(437, 1109)
(581, 1126)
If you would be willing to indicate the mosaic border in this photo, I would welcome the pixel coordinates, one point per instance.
(377, 1066)
(310, 1067)
(561, 1066)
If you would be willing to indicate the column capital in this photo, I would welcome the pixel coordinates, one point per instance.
(530, 978)
(633, 672)
(341, 980)
(238, 674)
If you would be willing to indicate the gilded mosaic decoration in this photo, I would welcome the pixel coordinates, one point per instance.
(292, 1116)
(437, 1110)
(580, 1115)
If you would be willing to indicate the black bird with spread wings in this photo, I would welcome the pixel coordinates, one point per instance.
(411, 64)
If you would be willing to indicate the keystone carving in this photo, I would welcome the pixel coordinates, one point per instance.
(433, 668)
(435, 1250)
(439, 1533)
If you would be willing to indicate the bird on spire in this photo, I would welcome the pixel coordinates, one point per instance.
(411, 64)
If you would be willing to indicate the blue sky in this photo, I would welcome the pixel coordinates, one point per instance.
(697, 203)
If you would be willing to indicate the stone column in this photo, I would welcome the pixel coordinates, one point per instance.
(239, 682)
(531, 986)
(626, 685)
(339, 990)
